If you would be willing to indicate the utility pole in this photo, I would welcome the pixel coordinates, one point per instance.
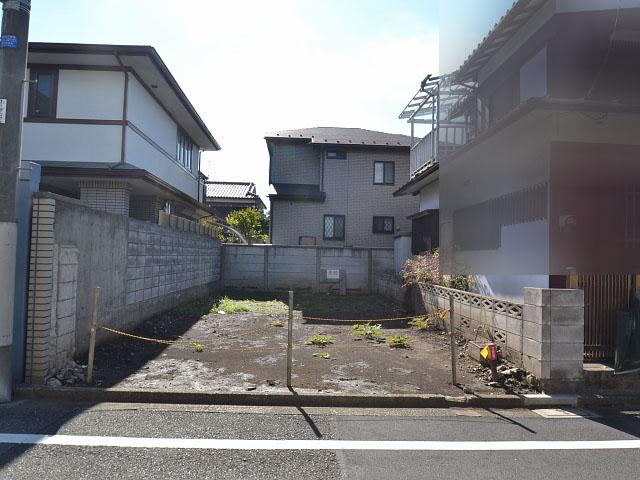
(13, 66)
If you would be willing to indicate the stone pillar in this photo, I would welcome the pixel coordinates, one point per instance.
(553, 337)
(106, 195)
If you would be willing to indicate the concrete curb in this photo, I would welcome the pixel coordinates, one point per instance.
(93, 394)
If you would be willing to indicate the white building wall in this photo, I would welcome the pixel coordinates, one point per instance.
(147, 115)
(71, 143)
(430, 197)
(89, 94)
(151, 144)
(142, 154)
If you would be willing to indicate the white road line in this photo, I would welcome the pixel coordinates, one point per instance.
(236, 444)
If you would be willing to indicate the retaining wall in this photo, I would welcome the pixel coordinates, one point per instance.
(141, 268)
(273, 267)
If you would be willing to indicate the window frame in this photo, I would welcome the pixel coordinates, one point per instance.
(33, 86)
(384, 164)
(339, 154)
(324, 230)
(381, 219)
(184, 157)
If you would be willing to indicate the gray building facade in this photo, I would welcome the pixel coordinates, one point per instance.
(334, 187)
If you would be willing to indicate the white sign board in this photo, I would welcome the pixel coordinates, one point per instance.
(3, 110)
(333, 275)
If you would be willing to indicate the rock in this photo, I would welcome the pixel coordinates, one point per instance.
(251, 387)
(53, 382)
(493, 384)
(467, 390)
(221, 312)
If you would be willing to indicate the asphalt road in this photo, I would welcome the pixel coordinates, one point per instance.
(171, 457)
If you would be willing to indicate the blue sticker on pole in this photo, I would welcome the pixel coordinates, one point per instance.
(8, 41)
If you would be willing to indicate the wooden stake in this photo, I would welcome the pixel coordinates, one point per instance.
(92, 335)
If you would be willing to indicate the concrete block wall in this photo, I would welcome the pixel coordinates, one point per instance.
(142, 269)
(162, 260)
(272, 267)
(553, 346)
(544, 336)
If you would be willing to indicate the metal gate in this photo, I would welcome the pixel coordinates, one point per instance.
(604, 295)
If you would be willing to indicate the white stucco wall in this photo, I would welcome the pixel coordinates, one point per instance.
(90, 94)
(430, 197)
(71, 143)
(147, 115)
(142, 154)
(157, 152)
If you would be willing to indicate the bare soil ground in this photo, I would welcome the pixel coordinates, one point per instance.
(246, 350)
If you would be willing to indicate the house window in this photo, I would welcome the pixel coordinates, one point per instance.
(43, 93)
(383, 173)
(383, 225)
(334, 227)
(336, 155)
(184, 153)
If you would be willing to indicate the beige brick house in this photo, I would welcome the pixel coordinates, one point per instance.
(334, 187)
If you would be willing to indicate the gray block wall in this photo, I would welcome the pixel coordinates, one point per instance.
(544, 335)
(271, 267)
(141, 268)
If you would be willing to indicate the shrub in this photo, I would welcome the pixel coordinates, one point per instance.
(421, 323)
(423, 268)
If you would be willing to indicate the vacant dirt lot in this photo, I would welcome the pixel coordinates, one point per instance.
(246, 350)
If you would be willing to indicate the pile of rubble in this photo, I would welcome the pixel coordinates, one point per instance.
(511, 378)
(71, 374)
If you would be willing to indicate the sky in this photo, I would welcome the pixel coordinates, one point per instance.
(252, 67)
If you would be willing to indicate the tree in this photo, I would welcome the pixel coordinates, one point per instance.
(250, 222)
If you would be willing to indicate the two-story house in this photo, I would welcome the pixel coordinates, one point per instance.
(334, 187)
(534, 156)
(109, 125)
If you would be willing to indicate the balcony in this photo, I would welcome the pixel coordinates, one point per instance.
(423, 154)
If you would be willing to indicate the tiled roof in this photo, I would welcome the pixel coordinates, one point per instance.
(231, 189)
(344, 136)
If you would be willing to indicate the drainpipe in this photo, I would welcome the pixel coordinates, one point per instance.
(125, 101)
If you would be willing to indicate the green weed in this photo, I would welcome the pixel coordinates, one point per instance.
(324, 355)
(398, 341)
(319, 340)
(367, 330)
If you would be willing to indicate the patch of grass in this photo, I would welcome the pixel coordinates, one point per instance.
(319, 340)
(198, 347)
(367, 330)
(323, 355)
(276, 323)
(398, 341)
(253, 305)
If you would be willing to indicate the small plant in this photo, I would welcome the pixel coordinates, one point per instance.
(421, 323)
(324, 355)
(276, 323)
(320, 340)
(198, 347)
(398, 341)
(367, 330)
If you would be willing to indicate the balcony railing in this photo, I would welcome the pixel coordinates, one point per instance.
(423, 155)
